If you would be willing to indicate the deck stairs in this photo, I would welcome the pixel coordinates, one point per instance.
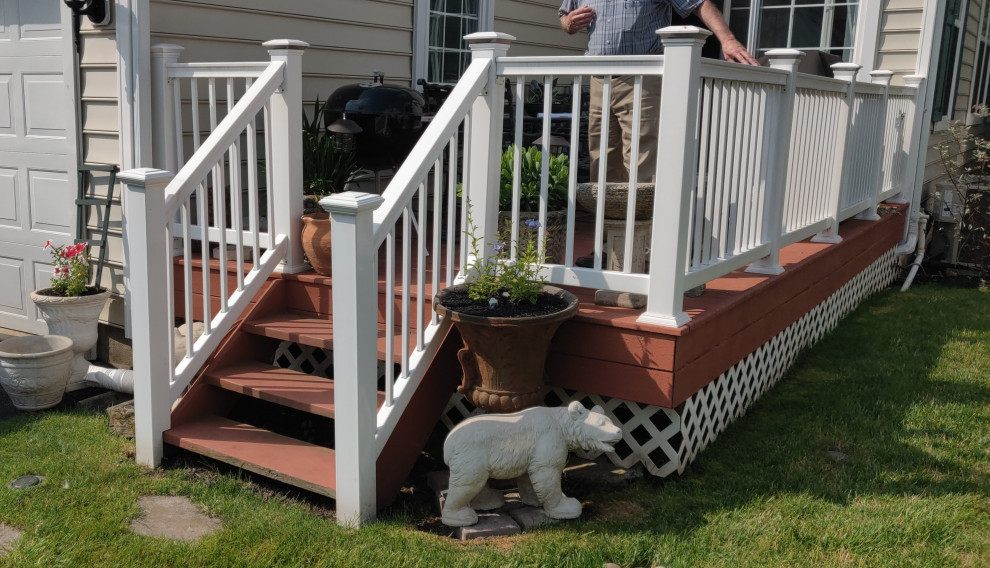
(248, 411)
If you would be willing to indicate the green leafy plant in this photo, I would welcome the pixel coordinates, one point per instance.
(965, 160)
(531, 163)
(71, 268)
(498, 276)
(326, 166)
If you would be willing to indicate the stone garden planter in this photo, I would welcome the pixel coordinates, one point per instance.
(35, 369)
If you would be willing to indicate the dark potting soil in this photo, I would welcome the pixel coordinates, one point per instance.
(90, 290)
(458, 301)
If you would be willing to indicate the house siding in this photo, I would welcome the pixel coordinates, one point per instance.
(100, 130)
(900, 36)
(536, 27)
(349, 39)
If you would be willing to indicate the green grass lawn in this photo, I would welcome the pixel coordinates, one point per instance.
(902, 388)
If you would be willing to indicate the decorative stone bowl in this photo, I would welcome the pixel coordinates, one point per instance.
(35, 369)
(616, 197)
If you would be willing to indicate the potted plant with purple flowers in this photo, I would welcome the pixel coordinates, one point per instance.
(506, 316)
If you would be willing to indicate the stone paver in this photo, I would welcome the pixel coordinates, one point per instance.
(8, 536)
(528, 518)
(488, 525)
(172, 517)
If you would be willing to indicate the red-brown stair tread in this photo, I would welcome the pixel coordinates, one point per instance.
(286, 387)
(279, 457)
(316, 332)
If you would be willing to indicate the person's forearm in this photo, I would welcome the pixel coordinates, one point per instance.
(732, 48)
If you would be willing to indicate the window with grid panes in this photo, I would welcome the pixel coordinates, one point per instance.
(981, 77)
(826, 25)
(949, 55)
(447, 54)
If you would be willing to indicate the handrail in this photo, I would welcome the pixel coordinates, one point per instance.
(225, 70)
(227, 132)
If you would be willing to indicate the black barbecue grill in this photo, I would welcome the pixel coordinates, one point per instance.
(390, 117)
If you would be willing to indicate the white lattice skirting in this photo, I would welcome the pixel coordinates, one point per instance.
(666, 440)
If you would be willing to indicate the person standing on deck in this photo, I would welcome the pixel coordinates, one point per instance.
(628, 27)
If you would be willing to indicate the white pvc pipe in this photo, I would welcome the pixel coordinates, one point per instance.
(919, 238)
(120, 380)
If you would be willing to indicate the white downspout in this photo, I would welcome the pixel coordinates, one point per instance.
(915, 241)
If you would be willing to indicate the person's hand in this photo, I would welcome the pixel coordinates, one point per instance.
(577, 20)
(734, 51)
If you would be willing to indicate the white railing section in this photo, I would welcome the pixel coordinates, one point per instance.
(194, 98)
(216, 198)
(413, 228)
(863, 154)
(573, 72)
(738, 114)
(897, 140)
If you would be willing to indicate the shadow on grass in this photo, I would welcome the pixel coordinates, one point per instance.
(889, 404)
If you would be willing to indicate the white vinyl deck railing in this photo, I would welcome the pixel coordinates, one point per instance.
(237, 188)
(750, 160)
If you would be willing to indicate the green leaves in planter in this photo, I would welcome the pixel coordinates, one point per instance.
(531, 162)
(326, 166)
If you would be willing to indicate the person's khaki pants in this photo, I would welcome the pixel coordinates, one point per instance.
(620, 127)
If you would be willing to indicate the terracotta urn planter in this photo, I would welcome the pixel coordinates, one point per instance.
(503, 358)
(35, 369)
(315, 237)
(75, 317)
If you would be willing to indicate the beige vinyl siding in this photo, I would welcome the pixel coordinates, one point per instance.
(537, 28)
(100, 127)
(900, 36)
(349, 39)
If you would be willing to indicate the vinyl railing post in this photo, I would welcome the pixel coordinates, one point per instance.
(286, 193)
(845, 72)
(151, 323)
(163, 107)
(912, 162)
(486, 139)
(355, 364)
(676, 175)
(780, 151)
(882, 78)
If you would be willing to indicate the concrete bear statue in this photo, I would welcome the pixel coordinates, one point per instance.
(530, 446)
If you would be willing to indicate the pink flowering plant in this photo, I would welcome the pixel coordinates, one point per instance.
(499, 276)
(71, 268)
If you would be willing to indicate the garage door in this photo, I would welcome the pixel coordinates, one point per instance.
(37, 151)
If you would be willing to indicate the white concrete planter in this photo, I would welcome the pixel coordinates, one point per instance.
(35, 369)
(75, 317)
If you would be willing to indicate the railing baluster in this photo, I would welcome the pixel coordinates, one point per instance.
(390, 318)
(451, 225)
(421, 265)
(177, 115)
(572, 171)
(634, 153)
(187, 280)
(437, 225)
(406, 282)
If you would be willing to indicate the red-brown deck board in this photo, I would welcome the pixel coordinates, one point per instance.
(267, 453)
(289, 388)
